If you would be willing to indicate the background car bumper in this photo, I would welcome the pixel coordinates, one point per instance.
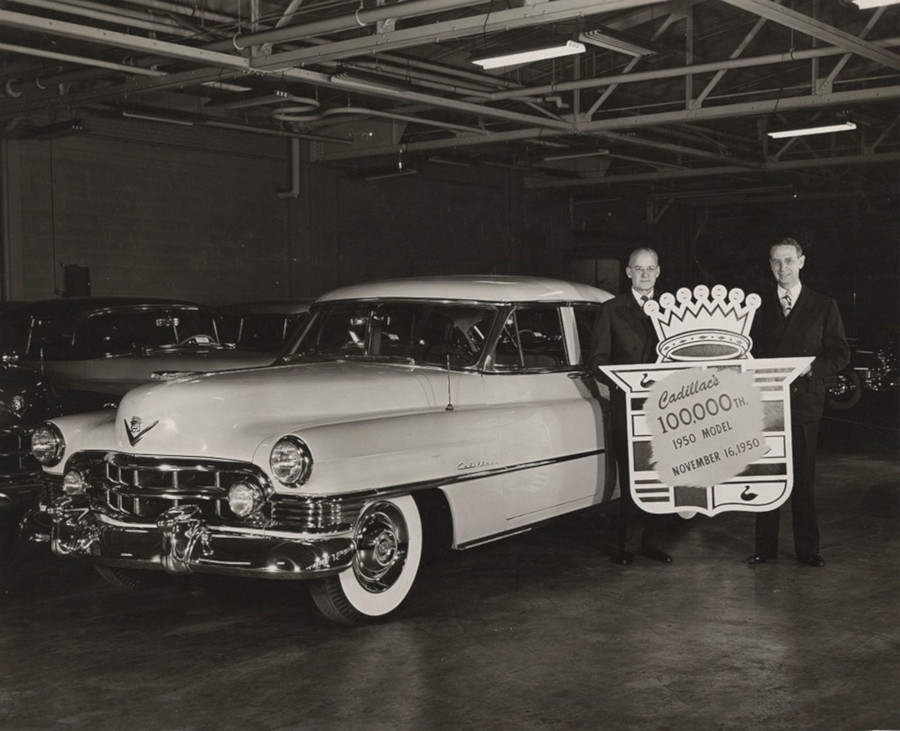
(181, 542)
(19, 490)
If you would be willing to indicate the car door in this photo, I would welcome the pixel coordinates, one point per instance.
(549, 417)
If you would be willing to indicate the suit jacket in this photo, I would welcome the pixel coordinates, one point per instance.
(815, 328)
(623, 334)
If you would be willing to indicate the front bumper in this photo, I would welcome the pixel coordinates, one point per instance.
(20, 491)
(180, 541)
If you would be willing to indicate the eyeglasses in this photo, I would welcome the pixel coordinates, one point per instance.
(644, 270)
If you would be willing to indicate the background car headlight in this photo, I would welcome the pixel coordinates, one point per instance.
(244, 499)
(291, 461)
(18, 404)
(48, 445)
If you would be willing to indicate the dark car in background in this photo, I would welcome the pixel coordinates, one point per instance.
(26, 400)
(870, 369)
(262, 326)
(95, 349)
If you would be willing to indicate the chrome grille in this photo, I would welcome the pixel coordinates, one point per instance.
(15, 451)
(315, 514)
(145, 487)
(150, 508)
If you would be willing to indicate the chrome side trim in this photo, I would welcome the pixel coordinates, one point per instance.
(468, 477)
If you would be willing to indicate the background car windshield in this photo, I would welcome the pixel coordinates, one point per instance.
(422, 332)
(119, 333)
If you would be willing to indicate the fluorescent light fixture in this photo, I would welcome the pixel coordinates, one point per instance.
(869, 4)
(553, 49)
(817, 130)
(574, 155)
(149, 117)
(612, 42)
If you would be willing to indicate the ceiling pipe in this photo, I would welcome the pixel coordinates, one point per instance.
(294, 191)
(105, 13)
(699, 68)
(193, 10)
(442, 31)
(361, 18)
(68, 58)
(361, 111)
(682, 116)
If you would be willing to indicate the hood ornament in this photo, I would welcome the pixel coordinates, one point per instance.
(134, 432)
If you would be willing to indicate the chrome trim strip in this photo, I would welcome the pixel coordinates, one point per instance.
(456, 479)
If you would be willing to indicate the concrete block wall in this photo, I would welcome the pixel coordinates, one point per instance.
(160, 210)
(152, 219)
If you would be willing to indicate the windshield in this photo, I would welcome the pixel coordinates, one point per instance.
(416, 332)
(124, 332)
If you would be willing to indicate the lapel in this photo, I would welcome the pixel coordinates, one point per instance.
(794, 322)
(638, 321)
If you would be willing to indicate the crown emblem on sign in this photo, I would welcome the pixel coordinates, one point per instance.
(703, 325)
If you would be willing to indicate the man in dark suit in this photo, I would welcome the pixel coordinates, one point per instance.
(623, 334)
(792, 321)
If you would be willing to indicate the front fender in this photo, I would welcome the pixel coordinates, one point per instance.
(393, 451)
(93, 430)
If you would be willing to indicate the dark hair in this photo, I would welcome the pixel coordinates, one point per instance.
(787, 241)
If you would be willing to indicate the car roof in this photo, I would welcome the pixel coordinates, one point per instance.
(267, 307)
(487, 288)
(77, 306)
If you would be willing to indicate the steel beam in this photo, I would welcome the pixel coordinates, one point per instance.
(817, 29)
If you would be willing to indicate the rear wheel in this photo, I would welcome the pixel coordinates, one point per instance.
(846, 392)
(388, 552)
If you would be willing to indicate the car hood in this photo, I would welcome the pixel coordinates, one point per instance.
(229, 414)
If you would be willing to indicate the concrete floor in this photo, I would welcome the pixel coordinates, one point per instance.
(540, 631)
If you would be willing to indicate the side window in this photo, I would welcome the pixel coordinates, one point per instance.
(52, 339)
(585, 315)
(532, 338)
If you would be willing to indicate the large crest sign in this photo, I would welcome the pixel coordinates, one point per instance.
(709, 426)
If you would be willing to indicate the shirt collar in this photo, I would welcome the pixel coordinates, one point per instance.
(795, 291)
(637, 296)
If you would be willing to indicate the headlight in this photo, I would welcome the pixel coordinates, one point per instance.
(73, 483)
(48, 445)
(291, 461)
(244, 499)
(18, 404)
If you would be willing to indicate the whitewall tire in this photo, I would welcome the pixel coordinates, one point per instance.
(389, 550)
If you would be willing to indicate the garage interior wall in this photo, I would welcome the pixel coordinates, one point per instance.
(163, 210)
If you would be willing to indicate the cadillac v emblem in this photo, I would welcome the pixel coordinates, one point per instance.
(134, 432)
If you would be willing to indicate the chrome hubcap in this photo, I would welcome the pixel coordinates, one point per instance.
(381, 545)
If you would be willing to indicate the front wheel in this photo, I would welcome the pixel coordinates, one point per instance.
(388, 551)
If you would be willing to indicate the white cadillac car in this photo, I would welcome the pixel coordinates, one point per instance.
(407, 413)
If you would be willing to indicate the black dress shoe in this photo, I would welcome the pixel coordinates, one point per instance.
(814, 560)
(759, 558)
(623, 558)
(654, 554)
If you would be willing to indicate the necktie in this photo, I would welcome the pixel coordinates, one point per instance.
(787, 304)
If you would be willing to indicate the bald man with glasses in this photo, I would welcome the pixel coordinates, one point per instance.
(624, 334)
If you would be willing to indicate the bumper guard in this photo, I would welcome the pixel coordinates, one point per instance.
(182, 542)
